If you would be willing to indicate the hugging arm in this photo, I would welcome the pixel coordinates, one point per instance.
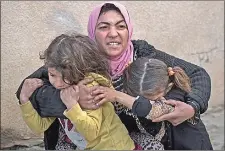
(200, 80)
(87, 122)
(46, 99)
(36, 123)
(140, 105)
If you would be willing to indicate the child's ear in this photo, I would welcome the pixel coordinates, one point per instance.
(169, 87)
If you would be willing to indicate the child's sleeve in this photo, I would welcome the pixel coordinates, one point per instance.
(33, 120)
(143, 107)
(87, 122)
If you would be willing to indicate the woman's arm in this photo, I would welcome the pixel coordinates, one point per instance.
(200, 80)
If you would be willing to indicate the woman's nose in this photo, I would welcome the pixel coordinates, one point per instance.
(113, 32)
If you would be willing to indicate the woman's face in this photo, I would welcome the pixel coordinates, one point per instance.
(111, 33)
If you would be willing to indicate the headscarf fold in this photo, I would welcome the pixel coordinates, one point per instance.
(118, 64)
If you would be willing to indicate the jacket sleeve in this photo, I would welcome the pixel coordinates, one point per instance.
(200, 80)
(46, 99)
(87, 122)
(142, 106)
(36, 123)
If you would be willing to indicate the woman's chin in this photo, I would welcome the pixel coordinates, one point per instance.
(114, 53)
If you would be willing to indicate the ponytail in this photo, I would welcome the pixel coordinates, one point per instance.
(180, 78)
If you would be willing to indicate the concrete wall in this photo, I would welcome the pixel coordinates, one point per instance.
(192, 30)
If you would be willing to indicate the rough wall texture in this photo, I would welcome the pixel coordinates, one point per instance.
(190, 30)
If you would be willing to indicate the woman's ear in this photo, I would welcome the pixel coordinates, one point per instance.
(169, 87)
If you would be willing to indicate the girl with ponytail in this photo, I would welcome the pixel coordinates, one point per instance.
(149, 80)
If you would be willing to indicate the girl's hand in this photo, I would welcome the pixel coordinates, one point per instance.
(181, 113)
(105, 94)
(70, 96)
(29, 86)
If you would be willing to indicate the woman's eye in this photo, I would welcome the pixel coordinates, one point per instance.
(103, 27)
(122, 26)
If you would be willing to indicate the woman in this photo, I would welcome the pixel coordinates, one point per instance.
(110, 28)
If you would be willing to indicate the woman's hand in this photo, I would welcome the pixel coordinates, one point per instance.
(181, 113)
(70, 96)
(105, 94)
(29, 86)
(86, 100)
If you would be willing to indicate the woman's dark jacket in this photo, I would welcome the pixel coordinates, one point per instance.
(46, 100)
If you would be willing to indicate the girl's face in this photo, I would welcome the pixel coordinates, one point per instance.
(56, 80)
(156, 96)
(111, 33)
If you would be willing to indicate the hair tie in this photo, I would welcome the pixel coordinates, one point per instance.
(170, 71)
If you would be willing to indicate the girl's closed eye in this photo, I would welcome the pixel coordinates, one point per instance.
(52, 75)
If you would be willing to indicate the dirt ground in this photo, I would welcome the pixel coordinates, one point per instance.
(213, 119)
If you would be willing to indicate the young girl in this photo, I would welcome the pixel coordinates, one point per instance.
(152, 79)
(70, 59)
